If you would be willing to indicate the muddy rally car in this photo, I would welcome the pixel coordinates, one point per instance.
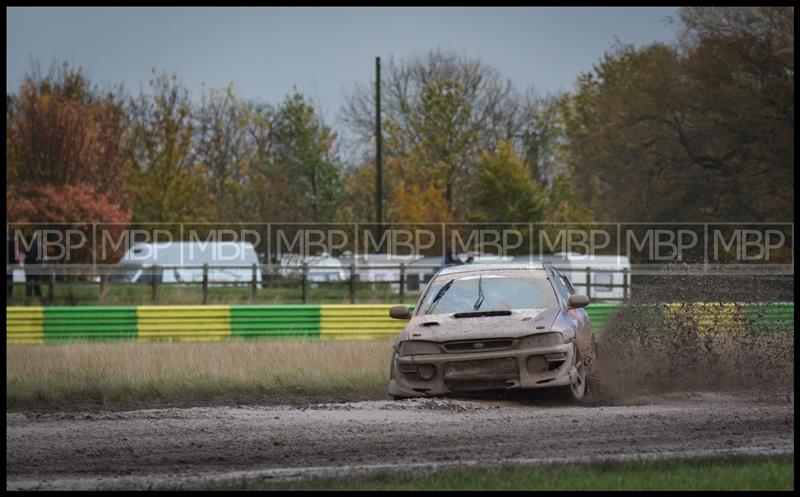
(487, 327)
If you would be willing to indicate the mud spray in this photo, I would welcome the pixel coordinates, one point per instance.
(706, 339)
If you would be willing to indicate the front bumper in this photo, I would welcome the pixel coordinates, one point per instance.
(538, 367)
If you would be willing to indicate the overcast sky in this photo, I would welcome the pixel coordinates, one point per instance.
(264, 52)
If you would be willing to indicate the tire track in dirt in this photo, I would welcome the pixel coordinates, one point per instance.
(142, 448)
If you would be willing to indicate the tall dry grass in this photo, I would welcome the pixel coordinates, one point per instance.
(130, 373)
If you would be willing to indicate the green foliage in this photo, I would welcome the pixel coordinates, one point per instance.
(167, 184)
(503, 191)
(303, 152)
(713, 473)
(698, 131)
(565, 205)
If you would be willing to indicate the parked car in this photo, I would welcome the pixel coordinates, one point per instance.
(480, 327)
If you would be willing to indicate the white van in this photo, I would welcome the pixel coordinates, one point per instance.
(182, 262)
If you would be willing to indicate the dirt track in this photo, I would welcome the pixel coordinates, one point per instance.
(146, 448)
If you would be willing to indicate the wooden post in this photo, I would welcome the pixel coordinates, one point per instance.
(254, 283)
(378, 149)
(625, 284)
(51, 290)
(155, 282)
(402, 282)
(352, 282)
(588, 282)
(102, 286)
(305, 282)
(205, 283)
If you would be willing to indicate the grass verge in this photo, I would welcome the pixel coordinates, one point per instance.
(715, 473)
(149, 374)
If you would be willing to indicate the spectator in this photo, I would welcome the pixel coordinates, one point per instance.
(33, 257)
(11, 260)
(450, 259)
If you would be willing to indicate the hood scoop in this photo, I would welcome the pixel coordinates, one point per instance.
(479, 314)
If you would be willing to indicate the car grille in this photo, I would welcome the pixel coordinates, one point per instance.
(483, 370)
(478, 345)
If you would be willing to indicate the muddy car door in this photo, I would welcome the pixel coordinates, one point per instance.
(583, 327)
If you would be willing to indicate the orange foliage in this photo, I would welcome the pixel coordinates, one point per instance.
(419, 204)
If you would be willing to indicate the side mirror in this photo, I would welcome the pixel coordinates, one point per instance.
(400, 312)
(576, 301)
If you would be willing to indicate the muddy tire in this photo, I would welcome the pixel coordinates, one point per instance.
(576, 392)
(391, 365)
(391, 376)
(592, 369)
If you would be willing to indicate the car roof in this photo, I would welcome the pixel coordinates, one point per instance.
(468, 268)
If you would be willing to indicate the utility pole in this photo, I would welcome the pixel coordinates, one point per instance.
(378, 149)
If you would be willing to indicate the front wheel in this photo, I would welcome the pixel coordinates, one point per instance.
(577, 390)
(392, 364)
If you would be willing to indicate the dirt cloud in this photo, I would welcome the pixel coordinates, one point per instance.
(720, 344)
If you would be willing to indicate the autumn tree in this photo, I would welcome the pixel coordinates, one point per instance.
(63, 154)
(167, 183)
(359, 190)
(739, 64)
(440, 109)
(226, 148)
(699, 131)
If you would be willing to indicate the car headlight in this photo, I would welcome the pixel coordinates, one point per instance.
(417, 347)
(547, 339)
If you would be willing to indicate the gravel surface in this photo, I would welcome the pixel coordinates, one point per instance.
(187, 446)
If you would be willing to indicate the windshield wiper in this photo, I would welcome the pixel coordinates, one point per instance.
(478, 314)
(479, 302)
(439, 295)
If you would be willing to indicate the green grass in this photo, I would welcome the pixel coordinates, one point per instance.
(129, 374)
(716, 473)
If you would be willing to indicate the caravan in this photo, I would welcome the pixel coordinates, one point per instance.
(182, 262)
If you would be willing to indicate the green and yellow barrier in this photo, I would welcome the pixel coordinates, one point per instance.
(349, 322)
(206, 323)
(353, 321)
(89, 323)
(275, 320)
(24, 325)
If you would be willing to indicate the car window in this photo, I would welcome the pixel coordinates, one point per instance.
(561, 286)
(490, 291)
(569, 285)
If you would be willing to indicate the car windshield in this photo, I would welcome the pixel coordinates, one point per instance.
(488, 291)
